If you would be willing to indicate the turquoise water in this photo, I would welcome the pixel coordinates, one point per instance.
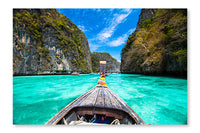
(157, 100)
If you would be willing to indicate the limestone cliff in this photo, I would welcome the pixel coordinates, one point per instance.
(112, 66)
(159, 45)
(45, 41)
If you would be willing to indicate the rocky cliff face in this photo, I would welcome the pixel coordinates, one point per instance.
(159, 45)
(112, 66)
(145, 14)
(44, 40)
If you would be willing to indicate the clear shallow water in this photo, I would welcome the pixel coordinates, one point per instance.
(157, 100)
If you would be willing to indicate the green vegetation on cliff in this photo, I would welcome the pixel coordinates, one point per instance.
(112, 64)
(159, 46)
(46, 28)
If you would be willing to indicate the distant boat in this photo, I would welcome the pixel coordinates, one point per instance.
(75, 73)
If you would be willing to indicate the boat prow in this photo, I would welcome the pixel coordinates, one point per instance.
(100, 105)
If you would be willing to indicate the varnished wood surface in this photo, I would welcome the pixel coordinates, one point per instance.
(99, 96)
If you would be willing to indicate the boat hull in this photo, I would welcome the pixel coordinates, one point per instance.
(100, 102)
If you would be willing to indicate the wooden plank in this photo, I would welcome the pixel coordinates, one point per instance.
(108, 103)
(127, 108)
(90, 112)
(118, 99)
(123, 105)
(114, 102)
(114, 114)
(100, 98)
(83, 97)
(65, 123)
(90, 100)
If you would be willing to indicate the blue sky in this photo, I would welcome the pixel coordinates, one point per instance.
(107, 30)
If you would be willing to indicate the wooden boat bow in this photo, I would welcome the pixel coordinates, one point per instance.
(98, 100)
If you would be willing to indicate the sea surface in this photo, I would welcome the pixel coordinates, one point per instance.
(157, 100)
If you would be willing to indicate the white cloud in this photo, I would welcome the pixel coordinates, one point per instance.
(127, 10)
(82, 28)
(122, 17)
(121, 40)
(94, 47)
(106, 33)
(131, 31)
(113, 23)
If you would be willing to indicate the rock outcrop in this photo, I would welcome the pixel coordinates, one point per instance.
(159, 44)
(45, 41)
(112, 66)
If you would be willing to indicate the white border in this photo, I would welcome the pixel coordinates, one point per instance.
(6, 62)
